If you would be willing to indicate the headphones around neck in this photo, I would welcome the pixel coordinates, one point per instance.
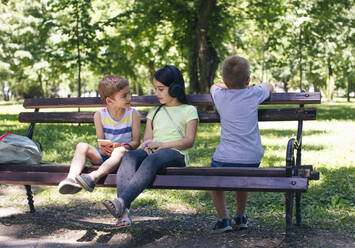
(175, 89)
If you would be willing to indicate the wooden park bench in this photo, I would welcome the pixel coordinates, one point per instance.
(292, 179)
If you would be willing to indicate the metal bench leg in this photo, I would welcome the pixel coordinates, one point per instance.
(298, 209)
(30, 198)
(289, 208)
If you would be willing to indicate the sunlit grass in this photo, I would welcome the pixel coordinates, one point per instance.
(328, 145)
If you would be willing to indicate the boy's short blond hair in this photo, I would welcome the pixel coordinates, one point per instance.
(235, 72)
(110, 85)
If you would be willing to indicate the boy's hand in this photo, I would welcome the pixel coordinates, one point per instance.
(270, 87)
(106, 150)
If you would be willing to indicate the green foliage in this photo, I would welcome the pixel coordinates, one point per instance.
(60, 45)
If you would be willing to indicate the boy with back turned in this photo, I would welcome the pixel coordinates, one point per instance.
(240, 143)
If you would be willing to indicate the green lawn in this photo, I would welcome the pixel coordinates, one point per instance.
(328, 144)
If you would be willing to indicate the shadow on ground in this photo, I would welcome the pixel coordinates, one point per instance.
(89, 225)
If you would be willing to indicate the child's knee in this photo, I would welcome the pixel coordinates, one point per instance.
(118, 152)
(82, 147)
(152, 160)
(133, 157)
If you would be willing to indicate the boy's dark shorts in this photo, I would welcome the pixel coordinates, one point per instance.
(103, 157)
(215, 163)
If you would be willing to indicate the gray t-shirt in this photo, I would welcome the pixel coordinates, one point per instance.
(240, 138)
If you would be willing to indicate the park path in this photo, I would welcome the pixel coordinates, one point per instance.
(53, 227)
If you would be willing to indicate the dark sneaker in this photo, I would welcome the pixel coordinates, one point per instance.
(69, 186)
(86, 182)
(223, 225)
(241, 222)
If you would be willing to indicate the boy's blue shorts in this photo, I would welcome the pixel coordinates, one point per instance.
(103, 157)
(215, 163)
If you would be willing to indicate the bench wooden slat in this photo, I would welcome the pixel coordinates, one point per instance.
(284, 114)
(198, 99)
(294, 98)
(247, 183)
(305, 171)
(205, 171)
(271, 184)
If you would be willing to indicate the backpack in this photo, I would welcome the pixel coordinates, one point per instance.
(17, 149)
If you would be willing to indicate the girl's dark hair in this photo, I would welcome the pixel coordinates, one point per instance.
(167, 76)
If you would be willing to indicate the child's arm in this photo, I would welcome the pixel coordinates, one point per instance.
(136, 131)
(148, 133)
(148, 136)
(269, 86)
(181, 144)
(100, 134)
(219, 85)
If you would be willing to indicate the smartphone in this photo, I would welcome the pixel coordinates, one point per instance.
(105, 142)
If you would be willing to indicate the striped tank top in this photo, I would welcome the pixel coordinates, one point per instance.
(117, 131)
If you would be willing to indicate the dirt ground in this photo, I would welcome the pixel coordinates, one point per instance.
(90, 225)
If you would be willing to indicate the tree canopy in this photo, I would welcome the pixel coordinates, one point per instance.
(47, 48)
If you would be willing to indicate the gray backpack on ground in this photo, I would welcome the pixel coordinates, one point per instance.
(17, 149)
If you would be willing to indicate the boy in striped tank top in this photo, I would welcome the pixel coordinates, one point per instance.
(118, 125)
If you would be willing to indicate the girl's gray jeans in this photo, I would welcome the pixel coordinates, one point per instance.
(137, 171)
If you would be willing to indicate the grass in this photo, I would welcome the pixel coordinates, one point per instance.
(328, 145)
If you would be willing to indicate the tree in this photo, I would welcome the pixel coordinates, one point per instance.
(175, 32)
(24, 41)
(79, 44)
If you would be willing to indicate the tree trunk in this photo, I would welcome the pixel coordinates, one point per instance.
(331, 82)
(285, 86)
(78, 48)
(348, 90)
(137, 87)
(41, 84)
(300, 58)
(151, 69)
(194, 83)
(264, 67)
(207, 55)
(17, 94)
(315, 86)
(5, 91)
(311, 78)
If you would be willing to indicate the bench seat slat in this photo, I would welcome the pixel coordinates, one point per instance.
(283, 114)
(202, 171)
(305, 171)
(196, 99)
(271, 184)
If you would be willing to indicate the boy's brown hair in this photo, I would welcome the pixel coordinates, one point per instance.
(235, 72)
(111, 84)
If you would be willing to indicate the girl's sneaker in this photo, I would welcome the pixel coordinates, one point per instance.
(223, 225)
(241, 222)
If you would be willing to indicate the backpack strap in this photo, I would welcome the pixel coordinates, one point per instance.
(173, 122)
(5, 135)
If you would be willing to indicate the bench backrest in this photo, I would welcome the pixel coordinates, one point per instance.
(268, 114)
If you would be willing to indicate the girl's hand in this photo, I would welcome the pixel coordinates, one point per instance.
(148, 150)
(155, 146)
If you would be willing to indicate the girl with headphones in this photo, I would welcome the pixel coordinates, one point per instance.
(170, 131)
